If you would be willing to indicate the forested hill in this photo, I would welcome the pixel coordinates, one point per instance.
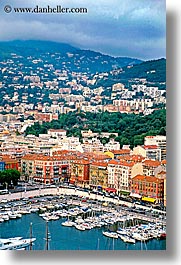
(131, 128)
(153, 71)
(61, 54)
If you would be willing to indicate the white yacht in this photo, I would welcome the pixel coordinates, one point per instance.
(68, 223)
(80, 227)
(15, 243)
(127, 239)
(110, 234)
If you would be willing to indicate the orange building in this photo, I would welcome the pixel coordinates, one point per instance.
(45, 169)
(10, 163)
(150, 187)
(47, 117)
(121, 153)
(80, 172)
(149, 167)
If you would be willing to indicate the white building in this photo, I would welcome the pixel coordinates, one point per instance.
(119, 174)
(58, 133)
(160, 141)
(112, 145)
(92, 145)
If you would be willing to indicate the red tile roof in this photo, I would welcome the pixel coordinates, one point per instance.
(150, 146)
(99, 163)
(164, 161)
(121, 151)
(147, 178)
(113, 162)
(152, 163)
(126, 164)
(135, 158)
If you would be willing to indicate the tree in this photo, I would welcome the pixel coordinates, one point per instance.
(138, 140)
(128, 126)
(9, 176)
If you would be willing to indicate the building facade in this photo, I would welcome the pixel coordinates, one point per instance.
(80, 173)
(98, 175)
(149, 187)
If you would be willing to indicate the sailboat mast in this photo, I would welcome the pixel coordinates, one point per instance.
(47, 235)
(31, 236)
(113, 244)
(98, 244)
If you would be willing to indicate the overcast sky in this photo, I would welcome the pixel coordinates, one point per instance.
(133, 28)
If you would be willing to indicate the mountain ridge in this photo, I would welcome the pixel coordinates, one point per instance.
(32, 43)
(8, 47)
(78, 60)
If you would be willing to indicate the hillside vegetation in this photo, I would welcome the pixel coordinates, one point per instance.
(131, 128)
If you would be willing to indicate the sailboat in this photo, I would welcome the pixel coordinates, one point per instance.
(68, 222)
(144, 245)
(110, 234)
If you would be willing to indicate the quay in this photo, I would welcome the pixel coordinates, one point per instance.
(103, 202)
(69, 210)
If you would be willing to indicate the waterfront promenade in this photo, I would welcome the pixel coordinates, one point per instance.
(58, 191)
(25, 195)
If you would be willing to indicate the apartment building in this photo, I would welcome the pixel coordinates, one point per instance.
(58, 133)
(160, 141)
(98, 175)
(45, 169)
(80, 172)
(149, 187)
(148, 151)
(119, 174)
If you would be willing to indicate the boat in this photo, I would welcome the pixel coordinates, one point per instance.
(163, 236)
(18, 215)
(64, 214)
(12, 215)
(24, 211)
(87, 226)
(5, 217)
(34, 210)
(15, 243)
(80, 227)
(139, 237)
(127, 239)
(110, 234)
(79, 220)
(68, 223)
(53, 217)
(121, 231)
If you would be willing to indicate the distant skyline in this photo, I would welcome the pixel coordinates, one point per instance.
(132, 28)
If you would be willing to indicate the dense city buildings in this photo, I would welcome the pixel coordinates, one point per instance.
(53, 157)
(80, 119)
(121, 170)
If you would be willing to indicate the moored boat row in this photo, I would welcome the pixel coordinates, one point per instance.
(141, 233)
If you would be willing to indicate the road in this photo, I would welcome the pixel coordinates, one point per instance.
(68, 191)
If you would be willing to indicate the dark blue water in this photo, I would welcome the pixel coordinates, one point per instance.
(69, 238)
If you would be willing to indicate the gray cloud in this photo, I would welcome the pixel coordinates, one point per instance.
(121, 28)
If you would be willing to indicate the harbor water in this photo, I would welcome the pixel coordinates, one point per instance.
(69, 238)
